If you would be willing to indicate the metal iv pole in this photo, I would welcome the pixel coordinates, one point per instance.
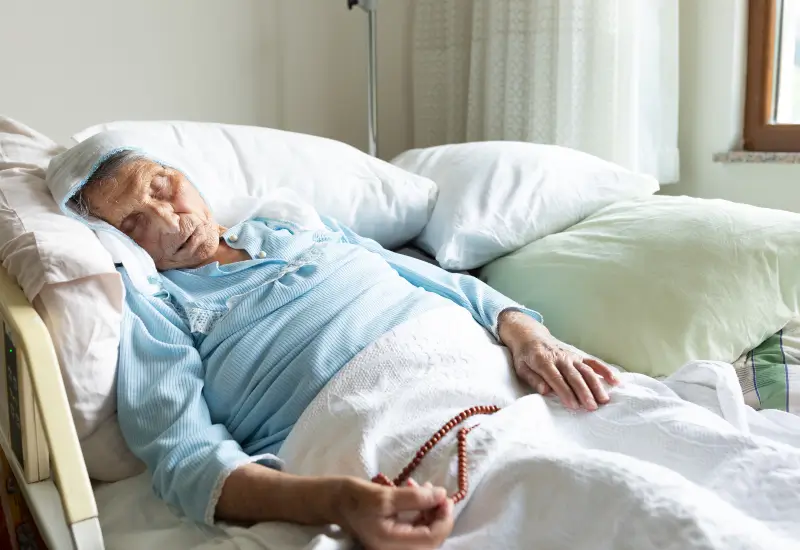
(370, 6)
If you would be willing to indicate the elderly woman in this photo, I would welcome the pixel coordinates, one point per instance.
(251, 322)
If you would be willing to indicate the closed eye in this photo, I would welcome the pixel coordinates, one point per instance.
(159, 187)
(129, 224)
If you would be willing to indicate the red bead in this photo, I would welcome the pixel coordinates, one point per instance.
(463, 485)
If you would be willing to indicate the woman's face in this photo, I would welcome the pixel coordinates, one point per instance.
(158, 208)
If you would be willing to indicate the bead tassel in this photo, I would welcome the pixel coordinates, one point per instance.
(463, 485)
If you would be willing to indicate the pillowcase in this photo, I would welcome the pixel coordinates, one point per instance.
(770, 373)
(83, 318)
(654, 283)
(495, 197)
(79, 297)
(374, 198)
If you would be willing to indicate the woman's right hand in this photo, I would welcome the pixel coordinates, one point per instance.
(374, 515)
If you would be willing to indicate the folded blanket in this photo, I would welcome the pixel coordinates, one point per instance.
(69, 172)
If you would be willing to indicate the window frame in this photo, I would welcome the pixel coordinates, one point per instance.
(761, 133)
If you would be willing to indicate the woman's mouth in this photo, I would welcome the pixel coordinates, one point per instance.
(189, 242)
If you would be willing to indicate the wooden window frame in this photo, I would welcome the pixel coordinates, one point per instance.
(761, 133)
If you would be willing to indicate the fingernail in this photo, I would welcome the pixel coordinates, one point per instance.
(540, 388)
(574, 405)
(439, 493)
(591, 404)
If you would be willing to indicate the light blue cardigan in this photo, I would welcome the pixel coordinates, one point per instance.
(215, 371)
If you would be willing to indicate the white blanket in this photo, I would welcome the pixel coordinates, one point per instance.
(649, 470)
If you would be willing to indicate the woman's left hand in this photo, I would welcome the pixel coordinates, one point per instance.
(542, 362)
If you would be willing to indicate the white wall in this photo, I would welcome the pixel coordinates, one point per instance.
(70, 64)
(324, 71)
(712, 71)
(298, 65)
(301, 65)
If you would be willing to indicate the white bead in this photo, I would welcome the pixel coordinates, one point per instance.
(262, 254)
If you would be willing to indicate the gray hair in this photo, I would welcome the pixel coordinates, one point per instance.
(105, 172)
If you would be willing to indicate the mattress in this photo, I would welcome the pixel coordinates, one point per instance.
(132, 518)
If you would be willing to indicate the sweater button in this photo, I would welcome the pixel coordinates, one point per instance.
(233, 238)
(262, 255)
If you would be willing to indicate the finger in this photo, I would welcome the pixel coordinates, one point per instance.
(412, 517)
(426, 517)
(442, 523)
(594, 382)
(534, 381)
(428, 485)
(433, 527)
(407, 499)
(603, 370)
(551, 374)
(575, 379)
(538, 384)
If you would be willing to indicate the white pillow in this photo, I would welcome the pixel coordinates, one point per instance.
(495, 197)
(654, 283)
(374, 198)
(83, 318)
(79, 297)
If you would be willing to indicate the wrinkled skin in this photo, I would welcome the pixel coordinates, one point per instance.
(161, 211)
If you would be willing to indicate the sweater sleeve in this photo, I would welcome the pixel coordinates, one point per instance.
(162, 412)
(482, 301)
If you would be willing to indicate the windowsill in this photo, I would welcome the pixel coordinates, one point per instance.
(757, 157)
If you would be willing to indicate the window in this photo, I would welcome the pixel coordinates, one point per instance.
(772, 114)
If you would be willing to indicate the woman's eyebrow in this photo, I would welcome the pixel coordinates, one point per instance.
(126, 188)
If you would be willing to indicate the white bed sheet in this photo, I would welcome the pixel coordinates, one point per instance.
(132, 518)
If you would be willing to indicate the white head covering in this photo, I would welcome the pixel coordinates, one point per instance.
(69, 172)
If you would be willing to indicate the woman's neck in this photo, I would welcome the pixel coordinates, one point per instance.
(227, 255)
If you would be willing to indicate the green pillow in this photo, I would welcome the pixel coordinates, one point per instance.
(653, 283)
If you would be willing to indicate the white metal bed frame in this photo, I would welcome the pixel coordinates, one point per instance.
(40, 442)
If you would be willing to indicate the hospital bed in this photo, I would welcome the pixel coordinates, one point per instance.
(39, 441)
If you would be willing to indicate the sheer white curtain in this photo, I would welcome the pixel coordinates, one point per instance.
(596, 75)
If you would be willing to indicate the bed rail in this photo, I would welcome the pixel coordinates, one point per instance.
(36, 431)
